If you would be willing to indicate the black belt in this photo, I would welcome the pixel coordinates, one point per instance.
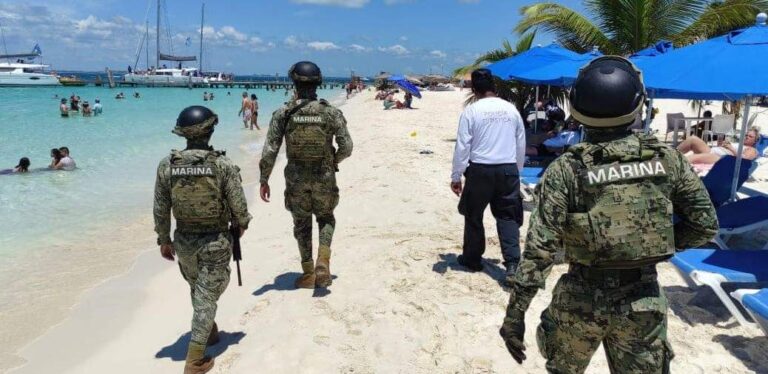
(492, 165)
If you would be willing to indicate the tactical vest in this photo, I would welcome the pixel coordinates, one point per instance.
(197, 199)
(307, 134)
(623, 216)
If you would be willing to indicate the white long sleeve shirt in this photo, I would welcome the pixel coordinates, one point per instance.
(491, 132)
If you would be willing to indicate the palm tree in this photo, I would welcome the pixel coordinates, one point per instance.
(623, 27)
(519, 94)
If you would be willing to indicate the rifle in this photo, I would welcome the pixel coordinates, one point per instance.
(237, 253)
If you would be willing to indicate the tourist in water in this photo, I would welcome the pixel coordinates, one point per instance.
(74, 103)
(22, 167)
(97, 107)
(246, 110)
(63, 109)
(136, 95)
(87, 109)
(255, 116)
(55, 158)
(66, 162)
(120, 96)
(205, 96)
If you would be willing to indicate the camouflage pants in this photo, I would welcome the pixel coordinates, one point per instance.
(629, 318)
(204, 263)
(311, 189)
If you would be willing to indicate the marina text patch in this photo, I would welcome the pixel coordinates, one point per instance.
(307, 119)
(619, 172)
(196, 171)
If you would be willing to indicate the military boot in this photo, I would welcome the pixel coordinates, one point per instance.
(197, 362)
(213, 338)
(306, 280)
(323, 267)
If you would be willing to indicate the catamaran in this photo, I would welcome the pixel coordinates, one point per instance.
(163, 76)
(20, 70)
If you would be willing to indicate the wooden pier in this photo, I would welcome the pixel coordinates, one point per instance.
(274, 85)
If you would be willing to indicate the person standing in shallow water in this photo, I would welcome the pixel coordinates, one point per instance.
(614, 227)
(203, 189)
(309, 127)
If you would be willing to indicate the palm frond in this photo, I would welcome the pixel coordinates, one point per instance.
(525, 42)
(573, 30)
(721, 18)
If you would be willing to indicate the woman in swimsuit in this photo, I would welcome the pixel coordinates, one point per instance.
(55, 158)
(22, 167)
(704, 154)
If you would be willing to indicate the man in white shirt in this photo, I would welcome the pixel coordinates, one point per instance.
(490, 153)
(66, 162)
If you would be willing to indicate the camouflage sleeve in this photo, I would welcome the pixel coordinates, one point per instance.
(343, 140)
(162, 205)
(697, 217)
(272, 145)
(233, 190)
(545, 228)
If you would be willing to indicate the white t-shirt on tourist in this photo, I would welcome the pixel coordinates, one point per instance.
(67, 163)
(491, 132)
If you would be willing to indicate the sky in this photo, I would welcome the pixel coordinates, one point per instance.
(267, 36)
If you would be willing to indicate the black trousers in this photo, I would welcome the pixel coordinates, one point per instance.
(499, 186)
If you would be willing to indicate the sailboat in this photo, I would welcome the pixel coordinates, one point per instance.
(20, 70)
(163, 76)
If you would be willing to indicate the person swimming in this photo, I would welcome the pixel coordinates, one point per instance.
(63, 109)
(22, 167)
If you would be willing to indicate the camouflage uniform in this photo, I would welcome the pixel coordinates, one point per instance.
(310, 179)
(610, 294)
(202, 201)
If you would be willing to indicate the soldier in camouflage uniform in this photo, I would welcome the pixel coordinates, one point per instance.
(309, 127)
(608, 203)
(202, 188)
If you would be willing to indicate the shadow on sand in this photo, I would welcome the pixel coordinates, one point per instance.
(285, 281)
(697, 305)
(753, 352)
(491, 267)
(178, 350)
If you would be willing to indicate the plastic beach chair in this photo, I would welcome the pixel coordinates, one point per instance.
(718, 180)
(755, 302)
(741, 216)
(712, 268)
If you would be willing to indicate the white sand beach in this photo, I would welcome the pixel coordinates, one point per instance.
(399, 304)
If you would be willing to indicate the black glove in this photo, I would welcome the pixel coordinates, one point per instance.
(513, 333)
(513, 328)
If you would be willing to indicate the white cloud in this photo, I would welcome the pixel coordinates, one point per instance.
(403, 38)
(358, 48)
(438, 53)
(396, 49)
(229, 36)
(342, 3)
(322, 46)
(469, 1)
(393, 2)
(291, 41)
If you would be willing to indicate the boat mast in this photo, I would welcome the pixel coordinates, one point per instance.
(146, 36)
(5, 48)
(157, 41)
(202, 23)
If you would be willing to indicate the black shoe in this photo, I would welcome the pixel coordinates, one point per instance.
(473, 267)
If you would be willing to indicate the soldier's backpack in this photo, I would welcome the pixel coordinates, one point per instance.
(196, 192)
(306, 135)
(624, 216)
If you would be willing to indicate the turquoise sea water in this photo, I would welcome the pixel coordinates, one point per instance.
(116, 154)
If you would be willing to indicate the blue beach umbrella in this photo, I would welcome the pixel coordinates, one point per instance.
(405, 85)
(561, 74)
(659, 48)
(533, 58)
(728, 67)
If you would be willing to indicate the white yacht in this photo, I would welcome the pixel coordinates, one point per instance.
(166, 78)
(25, 74)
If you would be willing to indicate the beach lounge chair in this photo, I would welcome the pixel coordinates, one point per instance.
(529, 178)
(755, 302)
(718, 180)
(713, 267)
(741, 216)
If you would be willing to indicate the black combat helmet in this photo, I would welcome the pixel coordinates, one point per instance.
(608, 92)
(195, 121)
(305, 72)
